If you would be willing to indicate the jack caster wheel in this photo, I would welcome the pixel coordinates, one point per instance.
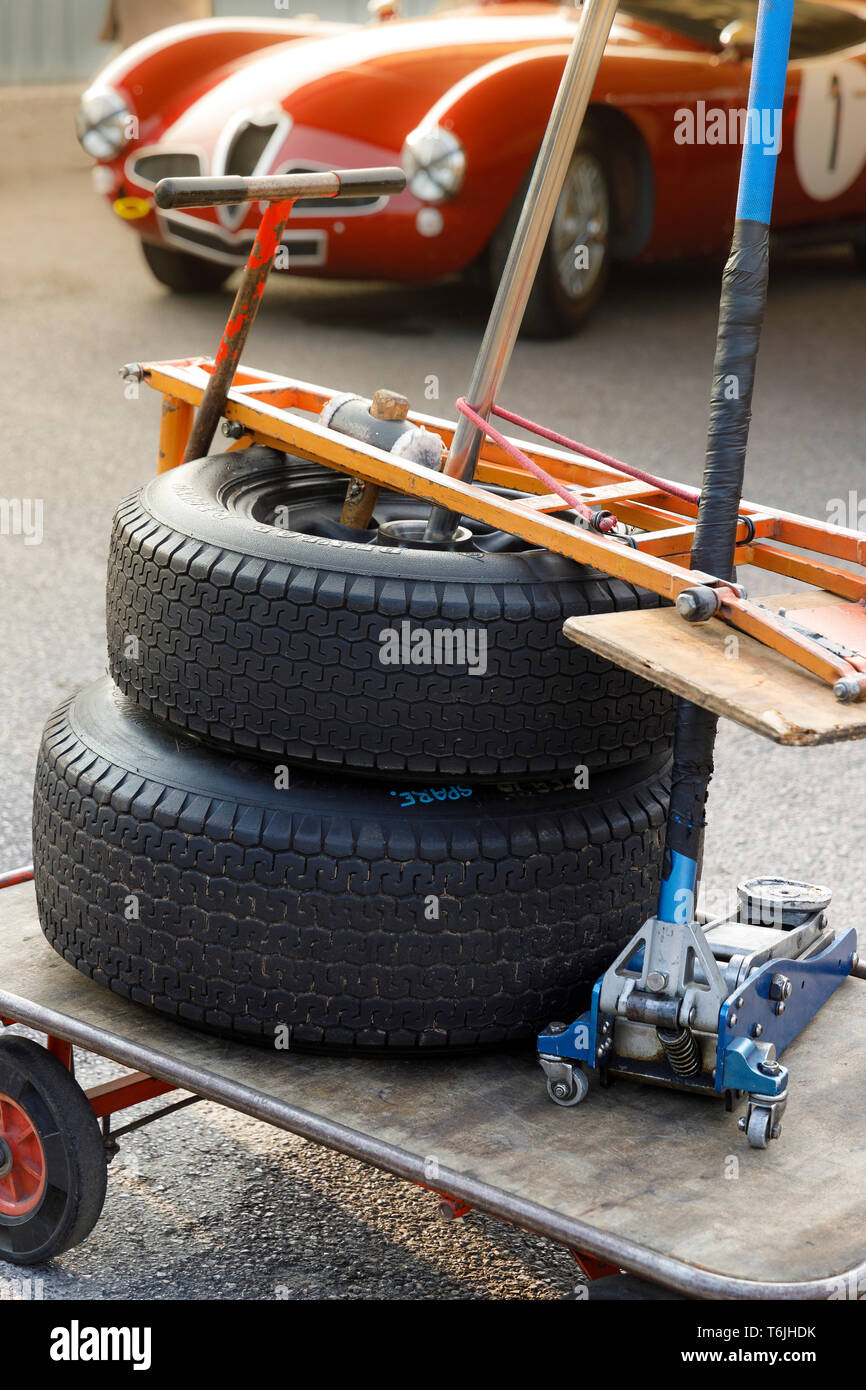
(52, 1163)
(759, 1129)
(565, 1093)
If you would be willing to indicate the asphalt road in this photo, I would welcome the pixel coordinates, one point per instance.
(212, 1205)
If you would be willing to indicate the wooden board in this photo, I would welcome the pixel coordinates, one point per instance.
(652, 1179)
(726, 671)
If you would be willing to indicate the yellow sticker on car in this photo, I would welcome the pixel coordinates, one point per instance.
(131, 208)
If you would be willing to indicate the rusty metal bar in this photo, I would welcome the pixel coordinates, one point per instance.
(240, 320)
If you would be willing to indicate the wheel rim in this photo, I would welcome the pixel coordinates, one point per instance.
(22, 1161)
(581, 222)
(308, 502)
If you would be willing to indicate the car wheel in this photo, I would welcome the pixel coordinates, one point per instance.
(573, 271)
(183, 273)
(348, 913)
(238, 611)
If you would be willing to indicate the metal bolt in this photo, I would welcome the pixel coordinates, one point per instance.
(131, 371)
(560, 1090)
(606, 1026)
(556, 1028)
(780, 987)
(775, 1131)
(693, 1013)
(656, 981)
(846, 689)
(741, 1124)
(780, 1008)
(757, 1030)
(740, 1002)
(732, 1020)
(233, 429)
(770, 1067)
(697, 605)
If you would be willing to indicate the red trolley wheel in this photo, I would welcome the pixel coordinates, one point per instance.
(52, 1158)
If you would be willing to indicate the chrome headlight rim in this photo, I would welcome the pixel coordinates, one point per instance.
(101, 123)
(434, 162)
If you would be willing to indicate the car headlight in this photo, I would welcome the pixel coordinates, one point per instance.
(104, 123)
(434, 162)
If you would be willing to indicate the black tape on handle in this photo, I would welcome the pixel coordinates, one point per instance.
(690, 778)
(741, 314)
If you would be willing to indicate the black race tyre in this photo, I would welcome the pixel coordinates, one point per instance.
(52, 1160)
(183, 273)
(353, 914)
(238, 612)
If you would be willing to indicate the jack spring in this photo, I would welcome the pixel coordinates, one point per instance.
(681, 1050)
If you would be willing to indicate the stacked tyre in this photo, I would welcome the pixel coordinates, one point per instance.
(342, 793)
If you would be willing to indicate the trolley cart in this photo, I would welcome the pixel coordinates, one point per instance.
(646, 1180)
(647, 1183)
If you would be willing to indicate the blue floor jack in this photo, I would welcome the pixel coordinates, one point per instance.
(711, 1006)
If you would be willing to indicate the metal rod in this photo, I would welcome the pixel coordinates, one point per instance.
(327, 183)
(506, 316)
(108, 1132)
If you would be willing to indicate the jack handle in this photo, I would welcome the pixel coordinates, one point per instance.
(329, 183)
(279, 192)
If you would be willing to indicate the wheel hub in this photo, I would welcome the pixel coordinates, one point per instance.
(22, 1161)
(580, 225)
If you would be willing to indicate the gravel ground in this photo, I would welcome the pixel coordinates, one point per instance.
(210, 1204)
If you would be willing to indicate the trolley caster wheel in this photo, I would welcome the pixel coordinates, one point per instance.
(569, 1093)
(52, 1164)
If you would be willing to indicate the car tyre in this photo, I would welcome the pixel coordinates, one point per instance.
(572, 275)
(182, 273)
(238, 611)
(331, 913)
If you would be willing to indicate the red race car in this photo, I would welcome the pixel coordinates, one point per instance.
(461, 99)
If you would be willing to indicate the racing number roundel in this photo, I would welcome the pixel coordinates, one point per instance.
(830, 132)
